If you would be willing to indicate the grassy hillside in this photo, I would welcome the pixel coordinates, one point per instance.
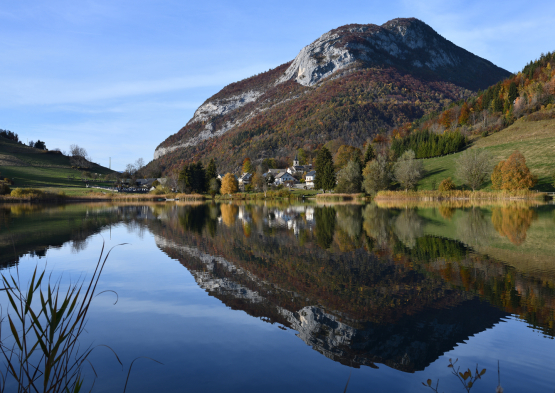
(29, 167)
(534, 139)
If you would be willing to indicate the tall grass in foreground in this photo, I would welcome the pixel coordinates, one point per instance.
(45, 327)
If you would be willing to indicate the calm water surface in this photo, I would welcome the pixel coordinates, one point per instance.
(274, 297)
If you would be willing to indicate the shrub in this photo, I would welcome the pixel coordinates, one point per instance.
(26, 192)
(160, 190)
(446, 185)
(513, 174)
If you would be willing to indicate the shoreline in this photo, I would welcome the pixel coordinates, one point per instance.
(457, 195)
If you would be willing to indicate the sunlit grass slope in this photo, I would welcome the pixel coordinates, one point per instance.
(35, 168)
(534, 139)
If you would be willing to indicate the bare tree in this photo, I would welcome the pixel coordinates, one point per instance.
(474, 167)
(130, 169)
(139, 164)
(349, 178)
(377, 174)
(408, 170)
(79, 156)
(173, 179)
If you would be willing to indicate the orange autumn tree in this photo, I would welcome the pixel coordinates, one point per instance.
(465, 114)
(229, 184)
(513, 174)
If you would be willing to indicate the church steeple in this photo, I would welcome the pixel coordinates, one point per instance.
(296, 160)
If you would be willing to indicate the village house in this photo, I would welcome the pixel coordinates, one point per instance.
(146, 183)
(283, 177)
(297, 168)
(309, 179)
(245, 179)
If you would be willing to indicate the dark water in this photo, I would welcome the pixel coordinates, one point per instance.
(281, 298)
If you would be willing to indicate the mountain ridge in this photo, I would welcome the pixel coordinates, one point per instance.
(400, 70)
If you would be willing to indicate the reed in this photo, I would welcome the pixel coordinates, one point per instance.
(44, 352)
(427, 195)
(340, 197)
(274, 194)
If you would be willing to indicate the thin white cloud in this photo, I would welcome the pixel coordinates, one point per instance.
(30, 91)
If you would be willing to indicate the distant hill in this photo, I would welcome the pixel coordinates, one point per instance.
(30, 167)
(351, 84)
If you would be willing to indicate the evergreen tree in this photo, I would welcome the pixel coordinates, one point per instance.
(198, 177)
(40, 145)
(184, 179)
(513, 92)
(325, 226)
(192, 178)
(369, 155)
(211, 170)
(497, 104)
(325, 173)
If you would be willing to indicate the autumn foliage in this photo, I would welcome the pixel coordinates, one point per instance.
(513, 222)
(229, 184)
(446, 185)
(513, 174)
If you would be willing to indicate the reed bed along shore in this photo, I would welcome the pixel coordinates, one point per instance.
(37, 195)
(340, 197)
(278, 194)
(454, 195)
(457, 204)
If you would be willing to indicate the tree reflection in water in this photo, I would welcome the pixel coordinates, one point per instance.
(354, 280)
(513, 222)
(361, 284)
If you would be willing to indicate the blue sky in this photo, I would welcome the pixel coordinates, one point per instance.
(118, 77)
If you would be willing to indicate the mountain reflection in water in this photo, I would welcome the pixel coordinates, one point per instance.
(362, 284)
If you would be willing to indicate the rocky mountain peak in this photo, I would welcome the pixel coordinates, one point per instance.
(405, 43)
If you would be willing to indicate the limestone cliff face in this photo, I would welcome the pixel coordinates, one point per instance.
(408, 46)
(407, 42)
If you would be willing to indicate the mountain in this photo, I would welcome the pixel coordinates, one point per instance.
(351, 84)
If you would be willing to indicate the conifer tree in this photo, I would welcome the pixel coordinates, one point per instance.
(513, 92)
(369, 155)
(211, 170)
(325, 172)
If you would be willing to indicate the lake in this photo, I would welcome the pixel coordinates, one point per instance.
(276, 297)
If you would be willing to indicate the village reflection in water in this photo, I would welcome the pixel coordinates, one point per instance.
(396, 284)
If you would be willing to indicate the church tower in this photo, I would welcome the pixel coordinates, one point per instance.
(296, 160)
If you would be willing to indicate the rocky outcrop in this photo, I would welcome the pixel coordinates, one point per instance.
(223, 106)
(401, 42)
